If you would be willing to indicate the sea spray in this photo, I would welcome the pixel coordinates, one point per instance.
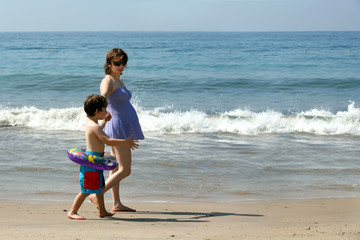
(44, 119)
(167, 121)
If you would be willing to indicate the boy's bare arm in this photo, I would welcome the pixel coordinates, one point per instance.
(116, 142)
(106, 119)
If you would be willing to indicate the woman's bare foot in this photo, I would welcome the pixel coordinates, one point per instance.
(106, 214)
(93, 199)
(75, 216)
(122, 208)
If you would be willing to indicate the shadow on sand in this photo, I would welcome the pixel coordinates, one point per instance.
(177, 216)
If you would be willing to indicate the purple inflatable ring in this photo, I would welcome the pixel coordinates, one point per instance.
(79, 156)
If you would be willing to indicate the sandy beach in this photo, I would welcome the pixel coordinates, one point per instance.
(316, 219)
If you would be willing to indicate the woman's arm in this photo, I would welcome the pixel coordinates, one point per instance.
(107, 87)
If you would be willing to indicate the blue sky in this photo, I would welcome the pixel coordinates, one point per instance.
(179, 15)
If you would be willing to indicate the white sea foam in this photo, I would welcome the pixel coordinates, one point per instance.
(167, 121)
(51, 119)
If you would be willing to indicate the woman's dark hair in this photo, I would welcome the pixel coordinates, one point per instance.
(94, 102)
(112, 54)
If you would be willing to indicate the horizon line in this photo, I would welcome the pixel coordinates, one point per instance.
(177, 31)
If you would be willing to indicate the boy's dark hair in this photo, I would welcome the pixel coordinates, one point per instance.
(94, 102)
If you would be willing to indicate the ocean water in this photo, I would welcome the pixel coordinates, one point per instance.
(228, 117)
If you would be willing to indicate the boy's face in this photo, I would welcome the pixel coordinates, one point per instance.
(101, 114)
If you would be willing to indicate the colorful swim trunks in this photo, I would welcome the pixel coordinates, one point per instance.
(91, 180)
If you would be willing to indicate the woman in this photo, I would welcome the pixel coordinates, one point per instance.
(123, 124)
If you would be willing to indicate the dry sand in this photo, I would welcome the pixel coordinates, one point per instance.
(317, 219)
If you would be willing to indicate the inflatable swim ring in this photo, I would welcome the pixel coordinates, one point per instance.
(79, 156)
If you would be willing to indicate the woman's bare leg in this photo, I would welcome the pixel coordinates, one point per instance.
(123, 156)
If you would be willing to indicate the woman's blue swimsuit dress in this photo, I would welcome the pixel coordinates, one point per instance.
(124, 121)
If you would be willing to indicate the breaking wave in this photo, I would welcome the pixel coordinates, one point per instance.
(168, 121)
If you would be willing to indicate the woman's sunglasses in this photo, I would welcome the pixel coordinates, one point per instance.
(119, 63)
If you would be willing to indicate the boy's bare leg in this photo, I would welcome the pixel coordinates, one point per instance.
(79, 199)
(94, 200)
(123, 154)
(101, 206)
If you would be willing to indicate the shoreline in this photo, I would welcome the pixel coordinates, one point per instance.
(310, 219)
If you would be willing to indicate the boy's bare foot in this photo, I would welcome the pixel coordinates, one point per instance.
(106, 214)
(75, 216)
(122, 208)
(93, 199)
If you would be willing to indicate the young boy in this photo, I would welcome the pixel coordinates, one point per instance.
(92, 180)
